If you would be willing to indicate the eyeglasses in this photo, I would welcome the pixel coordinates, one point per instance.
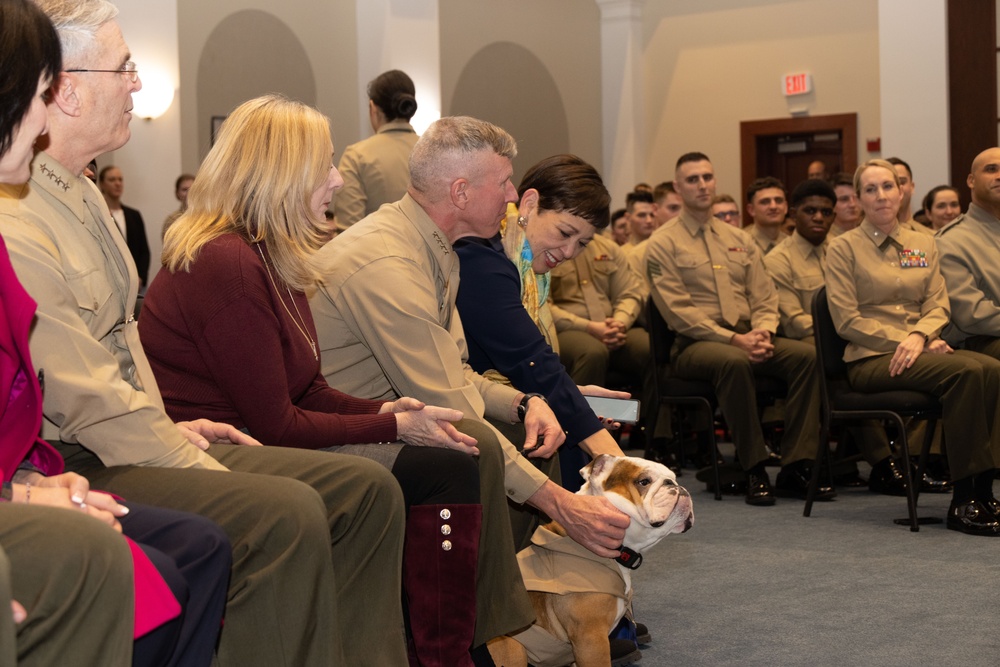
(722, 215)
(128, 69)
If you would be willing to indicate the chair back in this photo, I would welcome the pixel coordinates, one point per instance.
(829, 350)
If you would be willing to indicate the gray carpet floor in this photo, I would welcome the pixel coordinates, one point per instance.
(766, 586)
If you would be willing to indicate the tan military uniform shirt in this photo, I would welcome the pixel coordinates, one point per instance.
(881, 290)
(376, 171)
(682, 275)
(387, 325)
(797, 267)
(763, 241)
(835, 231)
(596, 284)
(71, 258)
(915, 226)
(970, 263)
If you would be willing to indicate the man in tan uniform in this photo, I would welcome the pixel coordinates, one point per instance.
(666, 203)
(768, 206)
(104, 412)
(710, 285)
(907, 187)
(387, 324)
(847, 213)
(798, 267)
(596, 299)
(970, 262)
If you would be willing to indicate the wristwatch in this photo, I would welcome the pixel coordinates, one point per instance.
(522, 407)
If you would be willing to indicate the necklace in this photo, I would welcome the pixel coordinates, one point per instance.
(300, 327)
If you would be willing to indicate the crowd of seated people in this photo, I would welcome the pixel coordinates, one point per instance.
(297, 427)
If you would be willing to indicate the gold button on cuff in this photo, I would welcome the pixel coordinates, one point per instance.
(446, 545)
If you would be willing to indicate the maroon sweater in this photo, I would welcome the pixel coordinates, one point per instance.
(223, 347)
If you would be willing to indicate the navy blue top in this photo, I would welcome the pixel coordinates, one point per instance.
(502, 336)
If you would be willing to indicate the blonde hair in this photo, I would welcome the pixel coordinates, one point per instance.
(271, 155)
(876, 162)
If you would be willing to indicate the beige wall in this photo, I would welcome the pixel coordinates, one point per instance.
(258, 62)
(715, 63)
(544, 86)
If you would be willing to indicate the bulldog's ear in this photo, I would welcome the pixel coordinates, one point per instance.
(596, 466)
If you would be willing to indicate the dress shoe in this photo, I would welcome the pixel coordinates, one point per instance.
(793, 482)
(731, 477)
(735, 488)
(704, 459)
(642, 636)
(624, 652)
(665, 455)
(993, 505)
(759, 491)
(931, 485)
(845, 473)
(773, 460)
(887, 479)
(850, 479)
(973, 518)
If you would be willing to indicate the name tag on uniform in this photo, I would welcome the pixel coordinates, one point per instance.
(739, 249)
(912, 258)
(602, 258)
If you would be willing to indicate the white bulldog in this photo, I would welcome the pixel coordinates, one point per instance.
(579, 597)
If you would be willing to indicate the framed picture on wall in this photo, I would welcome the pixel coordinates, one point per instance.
(216, 126)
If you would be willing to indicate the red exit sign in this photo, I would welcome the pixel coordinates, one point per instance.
(798, 84)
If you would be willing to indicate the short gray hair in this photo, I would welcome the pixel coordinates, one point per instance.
(447, 145)
(77, 22)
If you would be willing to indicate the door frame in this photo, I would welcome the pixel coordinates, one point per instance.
(845, 123)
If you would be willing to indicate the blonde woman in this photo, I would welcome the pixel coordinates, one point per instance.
(888, 300)
(229, 330)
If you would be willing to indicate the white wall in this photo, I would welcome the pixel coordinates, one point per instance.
(714, 63)
(913, 60)
(151, 160)
(389, 27)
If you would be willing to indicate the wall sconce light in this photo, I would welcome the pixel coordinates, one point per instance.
(156, 96)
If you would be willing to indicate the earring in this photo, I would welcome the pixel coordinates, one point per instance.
(522, 221)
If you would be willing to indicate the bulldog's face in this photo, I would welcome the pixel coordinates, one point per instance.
(645, 490)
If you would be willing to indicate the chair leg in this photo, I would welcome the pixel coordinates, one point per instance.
(911, 492)
(822, 455)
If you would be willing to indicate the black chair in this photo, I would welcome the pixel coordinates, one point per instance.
(675, 391)
(838, 402)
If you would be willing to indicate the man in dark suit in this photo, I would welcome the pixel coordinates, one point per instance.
(112, 185)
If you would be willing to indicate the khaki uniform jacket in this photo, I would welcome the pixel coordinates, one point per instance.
(616, 286)
(763, 241)
(682, 276)
(376, 171)
(970, 263)
(387, 325)
(797, 267)
(915, 226)
(63, 242)
(879, 297)
(556, 564)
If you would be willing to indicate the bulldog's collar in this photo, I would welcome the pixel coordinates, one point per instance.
(629, 558)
